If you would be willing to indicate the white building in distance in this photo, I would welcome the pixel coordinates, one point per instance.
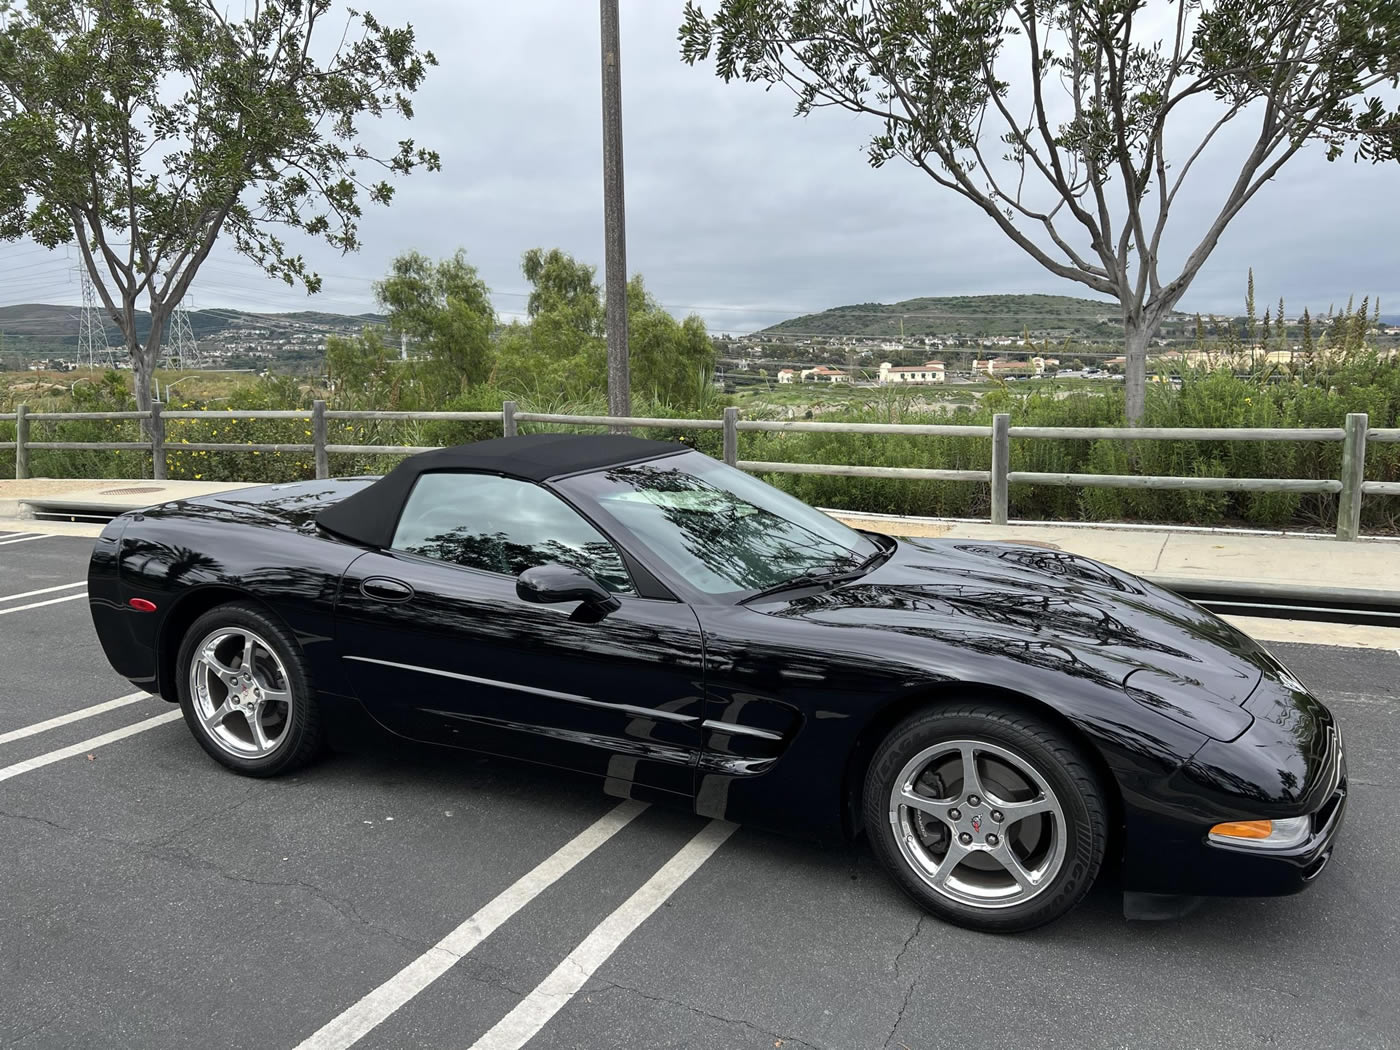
(823, 374)
(928, 372)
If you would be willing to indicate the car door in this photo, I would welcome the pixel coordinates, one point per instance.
(441, 648)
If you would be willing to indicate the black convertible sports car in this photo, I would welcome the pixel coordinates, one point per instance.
(998, 719)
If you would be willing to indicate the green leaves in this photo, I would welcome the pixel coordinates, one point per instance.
(143, 130)
(445, 308)
(561, 351)
(1053, 116)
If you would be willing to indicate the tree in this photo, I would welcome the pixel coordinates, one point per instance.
(1087, 196)
(445, 308)
(562, 349)
(1307, 335)
(563, 284)
(143, 130)
(357, 364)
(670, 360)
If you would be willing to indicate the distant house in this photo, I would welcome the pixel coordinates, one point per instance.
(928, 372)
(1003, 367)
(824, 374)
(786, 375)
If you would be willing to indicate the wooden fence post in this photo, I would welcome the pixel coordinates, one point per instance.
(1001, 465)
(318, 439)
(157, 442)
(508, 428)
(1353, 474)
(731, 435)
(21, 441)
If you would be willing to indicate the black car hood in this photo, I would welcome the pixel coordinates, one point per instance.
(994, 594)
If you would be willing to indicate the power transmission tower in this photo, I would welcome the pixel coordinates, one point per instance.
(181, 349)
(93, 350)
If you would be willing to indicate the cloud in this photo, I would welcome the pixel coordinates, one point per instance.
(740, 212)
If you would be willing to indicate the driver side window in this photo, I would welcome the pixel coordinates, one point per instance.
(502, 525)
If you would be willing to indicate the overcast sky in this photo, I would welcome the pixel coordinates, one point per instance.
(735, 209)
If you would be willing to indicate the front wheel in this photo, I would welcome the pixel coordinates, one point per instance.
(987, 818)
(245, 692)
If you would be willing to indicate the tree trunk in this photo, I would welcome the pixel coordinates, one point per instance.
(1136, 336)
(141, 371)
(143, 363)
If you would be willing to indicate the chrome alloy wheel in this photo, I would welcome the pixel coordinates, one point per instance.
(978, 823)
(241, 693)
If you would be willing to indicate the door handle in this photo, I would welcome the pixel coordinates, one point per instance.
(385, 589)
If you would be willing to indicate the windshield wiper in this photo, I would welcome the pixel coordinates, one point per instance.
(844, 574)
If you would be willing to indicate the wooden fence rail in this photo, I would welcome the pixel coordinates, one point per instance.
(1351, 486)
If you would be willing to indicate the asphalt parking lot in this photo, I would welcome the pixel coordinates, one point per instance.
(150, 899)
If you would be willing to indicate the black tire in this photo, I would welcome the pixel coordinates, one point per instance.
(301, 738)
(904, 836)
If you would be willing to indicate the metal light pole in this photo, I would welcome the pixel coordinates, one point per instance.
(614, 217)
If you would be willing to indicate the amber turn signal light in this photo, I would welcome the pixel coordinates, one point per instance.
(1244, 829)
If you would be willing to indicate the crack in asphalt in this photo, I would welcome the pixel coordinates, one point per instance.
(208, 815)
(778, 1038)
(156, 851)
(908, 992)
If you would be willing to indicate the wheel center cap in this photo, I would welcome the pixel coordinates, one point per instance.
(975, 822)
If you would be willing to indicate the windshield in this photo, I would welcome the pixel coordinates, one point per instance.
(722, 530)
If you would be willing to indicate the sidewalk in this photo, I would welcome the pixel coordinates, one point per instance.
(102, 494)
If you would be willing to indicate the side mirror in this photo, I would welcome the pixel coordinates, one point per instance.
(552, 583)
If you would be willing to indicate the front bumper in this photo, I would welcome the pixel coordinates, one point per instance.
(1239, 871)
(1289, 763)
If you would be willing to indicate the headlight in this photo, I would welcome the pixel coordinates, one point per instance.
(1262, 834)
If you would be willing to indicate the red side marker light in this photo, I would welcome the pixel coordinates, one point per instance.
(141, 605)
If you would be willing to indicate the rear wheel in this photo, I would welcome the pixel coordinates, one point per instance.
(245, 692)
(988, 819)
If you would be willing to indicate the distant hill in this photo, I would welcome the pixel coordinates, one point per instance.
(58, 325)
(966, 314)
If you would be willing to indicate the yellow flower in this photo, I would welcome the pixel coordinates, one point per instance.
(308, 433)
(198, 476)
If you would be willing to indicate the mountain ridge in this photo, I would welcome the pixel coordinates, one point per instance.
(54, 323)
(1006, 314)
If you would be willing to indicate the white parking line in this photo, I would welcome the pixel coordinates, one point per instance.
(72, 716)
(38, 605)
(22, 539)
(359, 1019)
(551, 995)
(84, 746)
(41, 590)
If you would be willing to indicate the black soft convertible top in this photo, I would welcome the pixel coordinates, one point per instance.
(371, 515)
